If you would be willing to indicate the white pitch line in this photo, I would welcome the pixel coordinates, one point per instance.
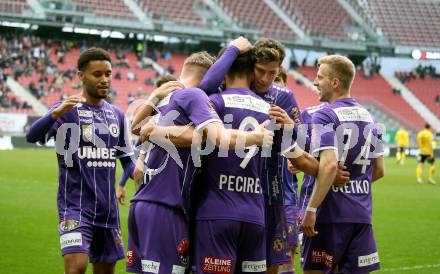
(408, 268)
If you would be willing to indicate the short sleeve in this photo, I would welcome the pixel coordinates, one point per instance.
(323, 132)
(197, 106)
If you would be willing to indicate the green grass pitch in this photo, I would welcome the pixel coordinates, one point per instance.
(406, 217)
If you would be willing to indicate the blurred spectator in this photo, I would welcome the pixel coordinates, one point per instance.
(149, 81)
(131, 76)
(437, 99)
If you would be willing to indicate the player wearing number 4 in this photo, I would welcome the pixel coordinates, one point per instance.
(337, 223)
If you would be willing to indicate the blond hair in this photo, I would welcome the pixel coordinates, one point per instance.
(269, 50)
(340, 67)
(201, 59)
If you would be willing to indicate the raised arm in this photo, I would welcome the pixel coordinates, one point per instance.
(147, 109)
(216, 73)
(40, 128)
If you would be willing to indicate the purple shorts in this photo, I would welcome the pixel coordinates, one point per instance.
(157, 239)
(348, 246)
(292, 224)
(277, 251)
(227, 246)
(103, 245)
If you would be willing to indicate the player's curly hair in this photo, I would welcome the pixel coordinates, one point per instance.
(340, 67)
(281, 78)
(269, 50)
(92, 54)
(202, 59)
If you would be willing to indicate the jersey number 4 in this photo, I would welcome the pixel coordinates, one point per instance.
(362, 158)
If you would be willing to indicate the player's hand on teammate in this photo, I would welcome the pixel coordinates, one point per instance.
(265, 134)
(120, 194)
(342, 176)
(292, 169)
(166, 89)
(67, 105)
(146, 131)
(308, 224)
(280, 116)
(242, 44)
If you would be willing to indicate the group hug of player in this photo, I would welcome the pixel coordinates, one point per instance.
(218, 153)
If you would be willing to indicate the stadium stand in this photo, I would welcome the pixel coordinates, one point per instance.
(13, 6)
(108, 8)
(406, 22)
(426, 90)
(257, 15)
(178, 11)
(319, 18)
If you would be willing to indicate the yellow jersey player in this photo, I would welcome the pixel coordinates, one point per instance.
(402, 142)
(424, 142)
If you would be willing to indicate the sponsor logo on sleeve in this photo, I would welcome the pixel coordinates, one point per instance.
(150, 266)
(253, 266)
(177, 269)
(68, 225)
(368, 259)
(217, 265)
(130, 257)
(322, 257)
(182, 250)
(71, 239)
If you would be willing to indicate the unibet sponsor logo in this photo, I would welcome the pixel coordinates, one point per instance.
(354, 187)
(368, 259)
(177, 269)
(150, 266)
(322, 257)
(71, 239)
(101, 153)
(253, 266)
(98, 153)
(240, 184)
(217, 265)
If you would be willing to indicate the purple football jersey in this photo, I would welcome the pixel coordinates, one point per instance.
(277, 179)
(347, 127)
(305, 131)
(231, 179)
(89, 139)
(171, 169)
(284, 185)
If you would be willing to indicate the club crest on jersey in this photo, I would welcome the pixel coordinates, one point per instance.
(182, 250)
(87, 133)
(68, 225)
(114, 130)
